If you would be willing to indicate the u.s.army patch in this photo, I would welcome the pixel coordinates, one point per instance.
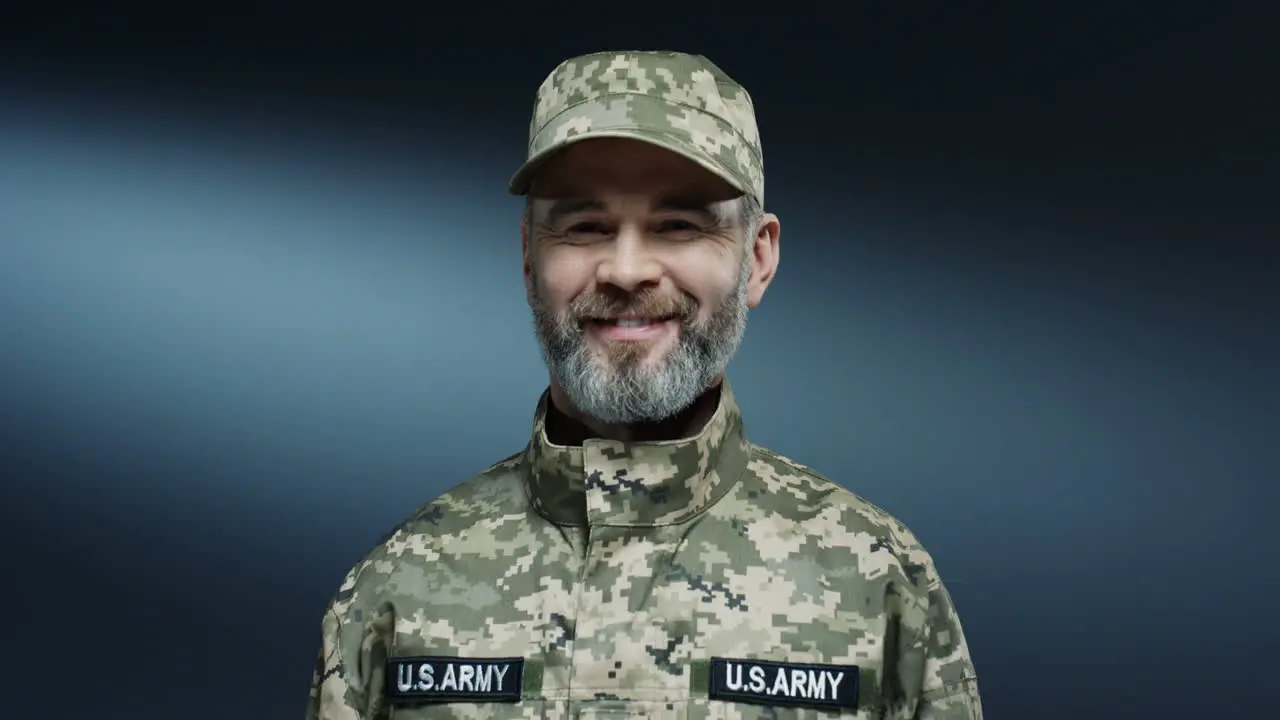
(454, 679)
(781, 683)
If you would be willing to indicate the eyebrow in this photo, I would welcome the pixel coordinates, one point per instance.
(677, 203)
(569, 206)
(672, 203)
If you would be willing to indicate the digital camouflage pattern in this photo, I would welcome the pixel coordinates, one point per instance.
(680, 102)
(617, 570)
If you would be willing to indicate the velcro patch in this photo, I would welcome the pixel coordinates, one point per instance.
(454, 679)
(781, 683)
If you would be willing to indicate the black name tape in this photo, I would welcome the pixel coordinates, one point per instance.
(781, 683)
(455, 679)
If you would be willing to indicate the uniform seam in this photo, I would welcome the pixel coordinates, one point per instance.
(957, 687)
(503, 461)
(341, 663)
(570, 694)
(815, 475)
(411, 517)
(761, 450)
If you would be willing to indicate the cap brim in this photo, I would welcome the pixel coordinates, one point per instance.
(522, 181)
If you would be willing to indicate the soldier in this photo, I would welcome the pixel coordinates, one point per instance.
(639, 557)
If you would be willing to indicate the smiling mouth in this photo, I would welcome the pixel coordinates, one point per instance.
(633, 321)
(633, 328)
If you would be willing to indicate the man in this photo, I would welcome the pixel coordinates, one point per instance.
(639, 558)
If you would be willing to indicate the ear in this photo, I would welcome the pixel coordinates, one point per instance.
(764, 258)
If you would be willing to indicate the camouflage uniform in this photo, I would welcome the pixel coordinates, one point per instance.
(698, 578)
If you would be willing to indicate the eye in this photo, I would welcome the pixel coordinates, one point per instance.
(677, 226)
(587, 228)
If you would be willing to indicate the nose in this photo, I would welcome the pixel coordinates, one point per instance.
(629, 264)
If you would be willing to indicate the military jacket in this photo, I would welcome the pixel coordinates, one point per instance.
(698, 578)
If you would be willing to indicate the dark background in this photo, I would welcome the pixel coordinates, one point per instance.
(260, 299)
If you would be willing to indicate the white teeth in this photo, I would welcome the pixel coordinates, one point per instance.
(632, 323)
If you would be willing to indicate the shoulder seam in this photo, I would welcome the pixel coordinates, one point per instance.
(761, 450)
(810, 472)
(419, 510)
(506, 459)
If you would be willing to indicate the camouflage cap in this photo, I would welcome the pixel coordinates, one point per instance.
(679, 102)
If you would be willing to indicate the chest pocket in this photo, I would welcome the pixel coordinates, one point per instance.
(694, 710)
(727, 711)
(530, 708)
(701, 709)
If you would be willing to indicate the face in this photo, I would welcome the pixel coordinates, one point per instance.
(640, 273)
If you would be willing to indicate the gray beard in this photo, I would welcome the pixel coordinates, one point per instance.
(618, 392)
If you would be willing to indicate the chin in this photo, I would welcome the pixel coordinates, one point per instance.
(646, 356)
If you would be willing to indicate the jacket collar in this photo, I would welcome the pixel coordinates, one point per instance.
(636, 484)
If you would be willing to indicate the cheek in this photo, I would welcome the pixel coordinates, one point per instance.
(710, 280)
(559, 278)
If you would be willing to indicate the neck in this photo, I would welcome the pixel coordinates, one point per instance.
(565, 425)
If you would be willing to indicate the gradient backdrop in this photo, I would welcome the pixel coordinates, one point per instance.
(260, 298)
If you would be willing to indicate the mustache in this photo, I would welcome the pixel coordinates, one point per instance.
(598, 306)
